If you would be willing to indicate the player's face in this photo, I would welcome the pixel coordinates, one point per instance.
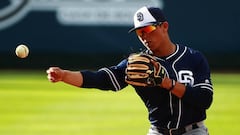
(152, 37)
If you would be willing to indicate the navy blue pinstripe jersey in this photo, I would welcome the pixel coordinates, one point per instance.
(187, 66)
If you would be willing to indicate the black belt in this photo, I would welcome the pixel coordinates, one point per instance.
(178, 131)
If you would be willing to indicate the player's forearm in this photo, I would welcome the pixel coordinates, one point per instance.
(175, 87)
(74, 78)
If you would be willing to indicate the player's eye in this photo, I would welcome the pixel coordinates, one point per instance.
(146, 29)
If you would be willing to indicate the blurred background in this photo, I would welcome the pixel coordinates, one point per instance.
(94, 33)
(78, 34)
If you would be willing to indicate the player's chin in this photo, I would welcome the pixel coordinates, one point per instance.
(150, 44)
(150, 47)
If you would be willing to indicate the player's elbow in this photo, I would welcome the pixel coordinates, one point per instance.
(198, 97)
(205, 98)
(208, 101)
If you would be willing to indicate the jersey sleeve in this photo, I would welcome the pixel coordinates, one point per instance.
(200, 94)
(107, 78)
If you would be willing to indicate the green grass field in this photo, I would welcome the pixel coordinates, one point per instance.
(30, 105)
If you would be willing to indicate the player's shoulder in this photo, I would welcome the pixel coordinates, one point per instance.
(194, 56)
(191, 52)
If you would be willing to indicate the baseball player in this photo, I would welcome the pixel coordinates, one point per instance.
(172, 80)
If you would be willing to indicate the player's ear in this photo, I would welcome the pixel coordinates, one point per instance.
(165, 25)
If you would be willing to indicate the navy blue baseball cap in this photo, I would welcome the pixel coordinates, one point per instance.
(147, 16)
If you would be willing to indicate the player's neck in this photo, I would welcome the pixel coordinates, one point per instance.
(165, 50)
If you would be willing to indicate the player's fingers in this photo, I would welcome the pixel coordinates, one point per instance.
(52, 78)
(54, 74)
(52, 69)
(48, 71)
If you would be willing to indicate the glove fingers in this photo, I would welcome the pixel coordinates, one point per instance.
(137, 67)
(133, 59)
(136, 75)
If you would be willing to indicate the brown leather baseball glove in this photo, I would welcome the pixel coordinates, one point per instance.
(144, 70)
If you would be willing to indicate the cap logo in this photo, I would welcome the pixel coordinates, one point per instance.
(140, 16)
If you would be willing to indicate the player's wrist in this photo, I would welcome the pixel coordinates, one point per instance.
(63, 75)
(166, 83)
(173, 83)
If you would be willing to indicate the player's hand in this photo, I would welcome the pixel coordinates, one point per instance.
(144, 70)
(55, 74)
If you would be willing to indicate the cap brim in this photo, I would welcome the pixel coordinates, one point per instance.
(146, 24)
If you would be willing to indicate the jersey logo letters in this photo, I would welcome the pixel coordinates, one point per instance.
(186, 77)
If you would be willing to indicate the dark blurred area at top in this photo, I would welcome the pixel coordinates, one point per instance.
(54, 40)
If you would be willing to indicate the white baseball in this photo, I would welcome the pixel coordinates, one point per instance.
(22, 51)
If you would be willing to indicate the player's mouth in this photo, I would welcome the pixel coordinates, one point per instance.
(146, 42)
